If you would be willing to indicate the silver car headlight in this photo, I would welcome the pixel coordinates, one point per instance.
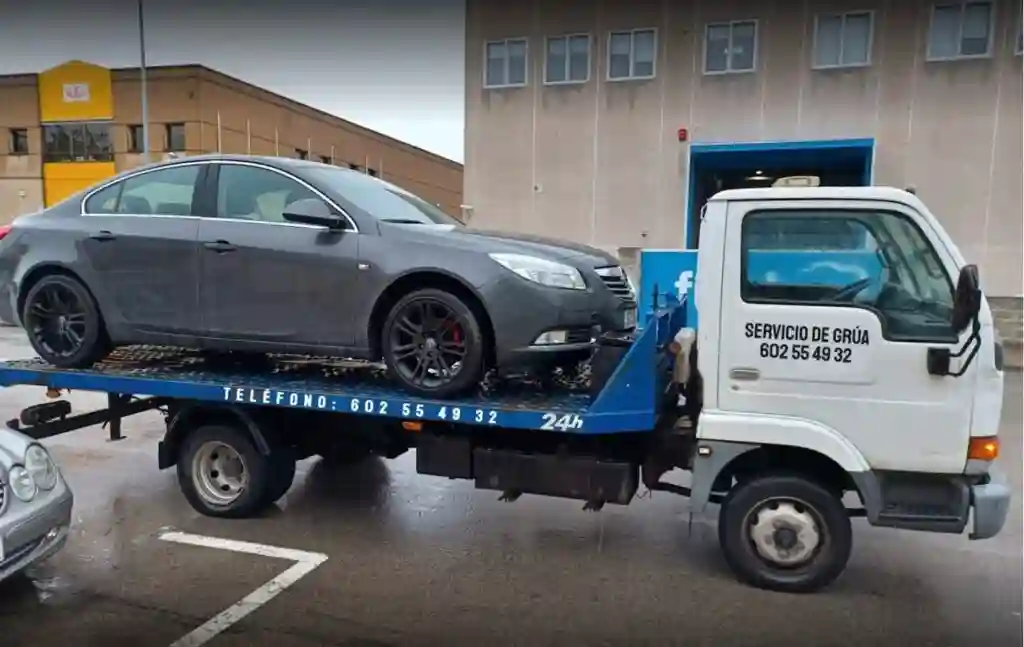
(542, 271)
(41, 467)
(22, 483)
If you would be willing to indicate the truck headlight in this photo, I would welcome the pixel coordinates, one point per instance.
(41, 467)
(542, 271)
(22, 483)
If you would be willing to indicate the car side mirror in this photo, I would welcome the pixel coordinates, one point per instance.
(967, 300)
(310, 211)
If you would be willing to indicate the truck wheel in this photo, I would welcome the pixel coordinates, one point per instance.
(785, 533)
(223, 474)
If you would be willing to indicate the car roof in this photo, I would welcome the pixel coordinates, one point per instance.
(284, 163)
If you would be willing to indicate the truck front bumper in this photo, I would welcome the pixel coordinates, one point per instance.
(990, 501)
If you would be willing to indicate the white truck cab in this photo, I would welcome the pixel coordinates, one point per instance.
(883, 379)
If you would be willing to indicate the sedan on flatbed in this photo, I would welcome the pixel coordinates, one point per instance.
(273, 255)
(35, 504)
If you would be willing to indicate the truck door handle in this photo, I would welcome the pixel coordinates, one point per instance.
(103, 236)
(220, 246)
(744, 374)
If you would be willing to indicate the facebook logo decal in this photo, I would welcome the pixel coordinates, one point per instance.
(673, 272)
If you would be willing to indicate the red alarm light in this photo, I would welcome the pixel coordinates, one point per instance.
(683, 134)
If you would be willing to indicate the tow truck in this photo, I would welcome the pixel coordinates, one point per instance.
(785, 399)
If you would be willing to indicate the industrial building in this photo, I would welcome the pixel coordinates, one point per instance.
(78, 123)
(612, 121)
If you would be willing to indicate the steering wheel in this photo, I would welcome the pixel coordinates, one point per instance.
(848, 292)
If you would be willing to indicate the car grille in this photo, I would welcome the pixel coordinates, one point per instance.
(615, 280)
(578, 336)
(3, 496)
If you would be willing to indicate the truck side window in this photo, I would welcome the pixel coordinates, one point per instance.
(877, 260)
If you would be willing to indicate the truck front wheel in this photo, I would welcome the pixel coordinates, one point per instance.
(785, 533)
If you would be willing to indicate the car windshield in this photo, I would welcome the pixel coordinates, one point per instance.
(382, 200)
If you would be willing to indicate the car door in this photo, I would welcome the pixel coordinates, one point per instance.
(839, 337)
(141, 243)
(263, 279)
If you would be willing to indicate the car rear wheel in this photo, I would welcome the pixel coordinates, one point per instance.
(63, 323)
(433, 344)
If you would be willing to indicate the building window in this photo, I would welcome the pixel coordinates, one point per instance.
(77, 143)
(301, 154)
(843, 39)
(19, 141)
(631, 54)
(960, 30)
(136, 138)
(326, 159)
(567, 59)
(355, 167)
(174, 136)
(371, 172)
(505, 66)
(730, 47)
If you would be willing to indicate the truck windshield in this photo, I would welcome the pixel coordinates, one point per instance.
(382, 200)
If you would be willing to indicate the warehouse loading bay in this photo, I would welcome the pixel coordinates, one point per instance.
(373, 554)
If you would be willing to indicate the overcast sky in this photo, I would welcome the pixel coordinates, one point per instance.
(392, 65)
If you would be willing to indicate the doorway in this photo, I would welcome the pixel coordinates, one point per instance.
(717, 167)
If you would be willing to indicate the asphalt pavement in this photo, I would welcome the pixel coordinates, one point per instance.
(421, 561)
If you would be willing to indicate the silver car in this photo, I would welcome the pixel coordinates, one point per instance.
(35, 504)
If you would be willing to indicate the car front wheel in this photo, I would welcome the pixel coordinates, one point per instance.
(433, 344)
(63, 323)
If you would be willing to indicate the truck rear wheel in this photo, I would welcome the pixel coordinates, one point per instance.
(223, 474)
(785, 533)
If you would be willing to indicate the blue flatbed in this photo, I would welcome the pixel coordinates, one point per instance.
(627, 403)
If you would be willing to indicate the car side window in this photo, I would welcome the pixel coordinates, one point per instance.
(164, 192)
(104, 200)
(253, 193)
(876, 260)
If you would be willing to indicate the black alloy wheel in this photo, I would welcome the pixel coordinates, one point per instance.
(63, 323)
(433, 344)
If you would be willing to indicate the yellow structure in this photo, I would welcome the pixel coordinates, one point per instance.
(76, 108)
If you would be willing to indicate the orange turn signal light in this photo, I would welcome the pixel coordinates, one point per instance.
(412, 426)
(984, 448)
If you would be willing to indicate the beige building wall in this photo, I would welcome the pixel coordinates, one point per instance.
(600, 162)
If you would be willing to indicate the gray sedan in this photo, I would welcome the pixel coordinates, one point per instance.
(35, 504)
(270, 255)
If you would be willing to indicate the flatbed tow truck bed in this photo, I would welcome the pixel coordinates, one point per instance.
(627, 403)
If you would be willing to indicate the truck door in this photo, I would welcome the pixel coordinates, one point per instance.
(827, 314)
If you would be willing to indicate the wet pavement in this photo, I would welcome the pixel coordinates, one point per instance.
(422, 561)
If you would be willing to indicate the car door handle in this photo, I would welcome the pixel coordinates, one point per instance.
(103, 236)
(220, 246)
(745, 374)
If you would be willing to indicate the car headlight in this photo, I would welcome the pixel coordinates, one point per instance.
(22, 483)
(41, 467)
(542, 271)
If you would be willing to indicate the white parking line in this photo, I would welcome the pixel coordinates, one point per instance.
(305, 563)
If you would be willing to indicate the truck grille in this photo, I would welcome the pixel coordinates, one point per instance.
(615, 280)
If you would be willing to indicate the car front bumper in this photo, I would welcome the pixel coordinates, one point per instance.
(990, 502)
(522, 311)
(35, 531)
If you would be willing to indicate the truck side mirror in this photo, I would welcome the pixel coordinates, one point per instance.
(967, 300)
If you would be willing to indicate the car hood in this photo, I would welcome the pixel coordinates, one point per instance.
(12, 448)
(510, 243)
